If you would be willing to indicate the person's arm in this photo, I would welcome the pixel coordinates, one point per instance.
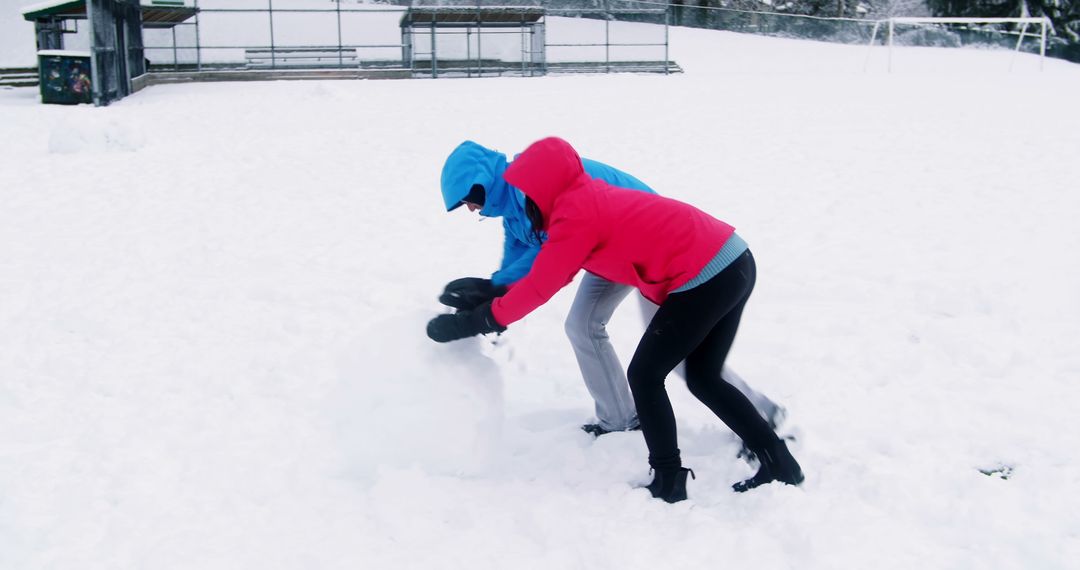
(560, 258)
(517, 260)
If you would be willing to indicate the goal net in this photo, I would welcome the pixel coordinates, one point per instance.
(1017, 34)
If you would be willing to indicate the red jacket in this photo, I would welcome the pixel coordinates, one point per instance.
(653, 243)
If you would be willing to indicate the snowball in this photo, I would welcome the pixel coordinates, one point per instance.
(407, 401)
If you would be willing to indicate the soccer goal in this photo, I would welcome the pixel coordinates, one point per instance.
(1025, 23)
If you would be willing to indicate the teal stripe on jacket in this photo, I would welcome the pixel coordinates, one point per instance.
(733, 248)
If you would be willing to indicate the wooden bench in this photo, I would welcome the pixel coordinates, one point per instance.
(300, 57)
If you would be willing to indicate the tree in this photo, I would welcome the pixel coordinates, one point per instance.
(1063, 14)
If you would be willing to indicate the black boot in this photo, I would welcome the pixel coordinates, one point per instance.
(777, 464)
(670, 484)
(597, 430)
(777, 417)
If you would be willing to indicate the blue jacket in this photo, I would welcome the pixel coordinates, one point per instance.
(471, 164)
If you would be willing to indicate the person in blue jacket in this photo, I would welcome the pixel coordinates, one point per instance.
(472, 176)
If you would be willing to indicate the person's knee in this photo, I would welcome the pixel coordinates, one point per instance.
(695, 384)
(643, 377)
(581, 329)
(574, 328)
(700, 382)
(699, 377)
(712, 388)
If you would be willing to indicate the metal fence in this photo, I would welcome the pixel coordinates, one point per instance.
(232, 35)
(288, 34)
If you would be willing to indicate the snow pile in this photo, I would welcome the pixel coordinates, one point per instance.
(436, 408)
(93, 132)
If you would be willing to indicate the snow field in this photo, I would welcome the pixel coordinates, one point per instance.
(213, 297)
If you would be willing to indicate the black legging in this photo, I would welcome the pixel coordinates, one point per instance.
(697, 326)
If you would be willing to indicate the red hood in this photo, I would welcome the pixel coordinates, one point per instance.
(547, 168)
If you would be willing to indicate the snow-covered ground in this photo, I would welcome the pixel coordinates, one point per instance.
(212, 301)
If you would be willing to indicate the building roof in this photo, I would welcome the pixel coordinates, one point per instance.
(155, 13)
(54, 8)
(166, 16)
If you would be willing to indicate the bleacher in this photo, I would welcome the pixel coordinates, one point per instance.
(19, 77)
(306, 57)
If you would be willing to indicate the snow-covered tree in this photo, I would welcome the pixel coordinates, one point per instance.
(1064, 14)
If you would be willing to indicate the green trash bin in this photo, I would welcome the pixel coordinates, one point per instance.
(65, 77)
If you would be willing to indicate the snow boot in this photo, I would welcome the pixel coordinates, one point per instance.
(777, 464)
(670, 484)
(775, 419)
(597, 430)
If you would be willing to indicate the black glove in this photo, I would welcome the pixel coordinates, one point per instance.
(463, 324)
(468, 293)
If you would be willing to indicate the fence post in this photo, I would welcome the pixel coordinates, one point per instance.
(667, 40)
(95, 67)
(341, 58)
(891, 22)
(273, 56)
(198, 40)
(607, 38)
(1042, 43)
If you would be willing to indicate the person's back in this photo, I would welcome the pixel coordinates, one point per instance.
(614, 176)
(651, 242)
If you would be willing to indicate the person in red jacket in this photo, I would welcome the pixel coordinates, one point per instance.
(694, 266)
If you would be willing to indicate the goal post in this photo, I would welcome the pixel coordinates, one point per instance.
(891, 23)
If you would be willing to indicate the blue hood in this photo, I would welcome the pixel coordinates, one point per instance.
(470, 164)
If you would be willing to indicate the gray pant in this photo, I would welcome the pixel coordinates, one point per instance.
(605, 377)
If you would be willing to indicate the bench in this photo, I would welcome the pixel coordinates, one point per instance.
(20, 77)
(300, 57)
